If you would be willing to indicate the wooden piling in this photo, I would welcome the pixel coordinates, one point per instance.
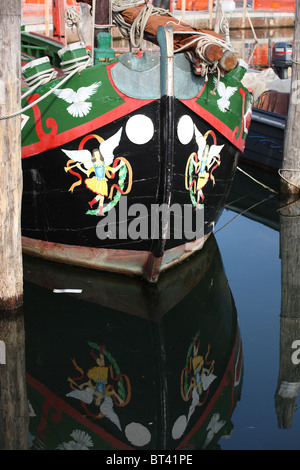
(13, 401)
(288, 387)
(11, 275)
(290, 172)
(14, 411)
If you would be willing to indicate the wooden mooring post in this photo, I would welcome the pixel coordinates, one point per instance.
(11, 274)
(290, 172)
(14, 411)
(288, 387)
(13, 402)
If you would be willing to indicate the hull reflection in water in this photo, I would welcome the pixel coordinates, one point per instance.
(125, 365)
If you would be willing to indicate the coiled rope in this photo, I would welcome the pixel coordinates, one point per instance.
(79, 68)
(202, 66)
(223, 23)
(73, 65)
(39, 79)
(72, 19)
(135, 32)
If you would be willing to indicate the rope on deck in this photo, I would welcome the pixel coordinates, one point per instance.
(79, 68)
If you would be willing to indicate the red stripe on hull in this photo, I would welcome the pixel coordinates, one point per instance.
(51, 141)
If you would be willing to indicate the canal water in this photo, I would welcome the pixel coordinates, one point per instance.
(201, 361)
(207, 359)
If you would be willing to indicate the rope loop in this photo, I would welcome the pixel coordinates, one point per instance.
(72, 17)
(285, 179)
(135, 32)
(78, 69)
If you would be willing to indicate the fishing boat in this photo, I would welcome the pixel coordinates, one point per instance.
(135, 374)
(127, 160)
(265, 140)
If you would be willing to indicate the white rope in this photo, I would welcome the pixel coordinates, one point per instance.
(120, 5)
(138, 26)
(73, 18)
(243, 212)
(203, 66)
(136, 30)
(223, 23)
(103, 26)
(279, 172)
(285, 179)
(256, 181)
(93, 22)
(39, 79)
(204, 40)
(74, 64)
(49, 92)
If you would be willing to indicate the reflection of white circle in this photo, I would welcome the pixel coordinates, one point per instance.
(139, 129)
(179, 427)
(137, 434)
(185, 129)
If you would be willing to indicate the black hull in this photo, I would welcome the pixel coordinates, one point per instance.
(53, 217)
(264, 145)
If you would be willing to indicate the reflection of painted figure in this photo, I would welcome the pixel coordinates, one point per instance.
(200, 165)
(201, 373)
(102, 388)
(196, 379)
(197, 374)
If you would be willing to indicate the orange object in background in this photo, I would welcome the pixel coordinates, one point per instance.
(282, 5)
(261, 55)
(42, 2)
(193, 5)
(37, 7)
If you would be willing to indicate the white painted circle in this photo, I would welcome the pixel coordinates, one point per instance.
(179, 427)
(185, 129)
(139, 129)
(137, 434)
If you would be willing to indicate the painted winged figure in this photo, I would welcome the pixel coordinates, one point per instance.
(99, 162)
(201, 164)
